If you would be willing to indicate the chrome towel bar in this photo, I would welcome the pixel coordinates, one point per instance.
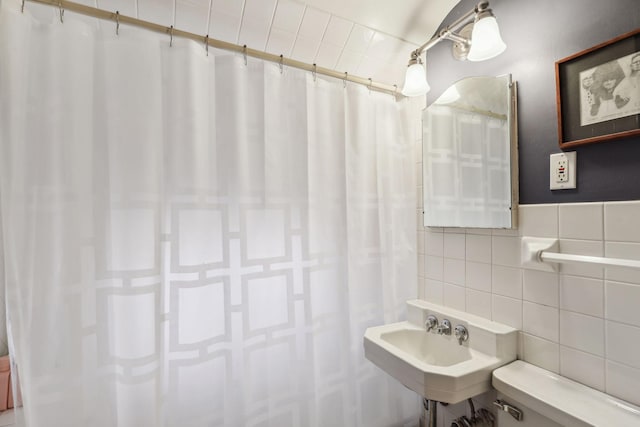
(543, 254)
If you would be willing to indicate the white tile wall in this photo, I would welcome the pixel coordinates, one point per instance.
(288, 16)
(328, 55)
(256, 23)
(623, 344)
(505, 250)
(506, 281)
(539, 220)
(582, 367)
(434, 243)
(583, 322)
(454, 271)
(582, 295)
(454, 246)
(541, 352)
(622, 250)
(582, 332)
(160, 11)
(338, 31)
(305, 48)
(478, 303)
(434, 291)
(540, 287)
(454, 296)
(507, 310)
(478, 248)
(359, 39)
(622, 381)
(621, 221)
(478, 276)
(314, 24)
(280, 42)
(540, 320)
(581, 221)
(433, 266)
(622, 302)
(190, 16)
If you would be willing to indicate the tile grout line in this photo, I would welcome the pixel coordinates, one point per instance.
(273, 17)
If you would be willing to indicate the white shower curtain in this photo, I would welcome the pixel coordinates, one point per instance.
(189, 240)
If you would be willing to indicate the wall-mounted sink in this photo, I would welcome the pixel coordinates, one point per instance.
(428, 347)
(434, 364)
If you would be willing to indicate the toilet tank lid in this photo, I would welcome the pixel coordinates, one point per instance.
(562, 400)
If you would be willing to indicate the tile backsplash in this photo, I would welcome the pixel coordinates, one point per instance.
(582, 322)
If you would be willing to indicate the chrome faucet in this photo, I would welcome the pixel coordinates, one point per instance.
(444, 328)
(461, 333)
(431, 322)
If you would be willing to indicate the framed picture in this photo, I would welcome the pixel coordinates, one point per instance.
(598, 92)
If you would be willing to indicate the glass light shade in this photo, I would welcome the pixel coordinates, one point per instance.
(415, 81)
(486, 42)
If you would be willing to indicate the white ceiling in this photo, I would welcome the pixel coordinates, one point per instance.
(368, 38)
(411, 20)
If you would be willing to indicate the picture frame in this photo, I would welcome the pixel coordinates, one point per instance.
(598, 92)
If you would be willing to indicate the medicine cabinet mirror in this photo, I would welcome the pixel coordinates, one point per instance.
(470, 166)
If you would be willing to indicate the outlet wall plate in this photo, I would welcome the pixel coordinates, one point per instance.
(562, 170)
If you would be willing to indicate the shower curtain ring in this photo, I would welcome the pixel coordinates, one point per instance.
(314, 71)
(370, 84)
(395, 91)
(171, 36)
(61, 12)
(206, 43)
(117, 22)
(281, 64)
(344, 81)
(244, 54)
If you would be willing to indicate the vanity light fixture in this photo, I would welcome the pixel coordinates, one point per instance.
(415, 82)
(475, 37)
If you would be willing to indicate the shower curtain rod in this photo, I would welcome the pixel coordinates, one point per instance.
(118, 19)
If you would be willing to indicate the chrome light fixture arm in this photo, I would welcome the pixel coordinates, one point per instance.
(449, 31)
(460, 32)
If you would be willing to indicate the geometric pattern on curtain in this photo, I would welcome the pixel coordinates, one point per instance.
(192, 241)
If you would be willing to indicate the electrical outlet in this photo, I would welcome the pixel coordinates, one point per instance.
(562, 170)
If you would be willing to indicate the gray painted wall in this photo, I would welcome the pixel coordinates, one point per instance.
(537, 34)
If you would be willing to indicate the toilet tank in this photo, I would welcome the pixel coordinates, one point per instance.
(546, 399)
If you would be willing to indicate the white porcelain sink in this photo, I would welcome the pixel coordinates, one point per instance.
(436, 366)
(430, 348)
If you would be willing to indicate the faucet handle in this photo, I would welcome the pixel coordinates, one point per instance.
(444, 328)
(431, 322)
(461, 333)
